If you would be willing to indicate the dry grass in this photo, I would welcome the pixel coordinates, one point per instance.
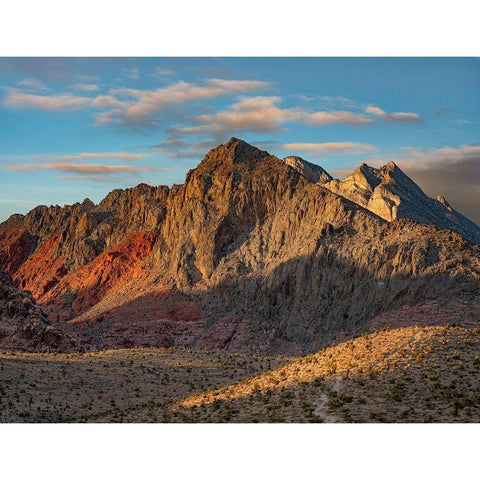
(410, 374)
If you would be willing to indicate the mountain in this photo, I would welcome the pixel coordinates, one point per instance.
(391, 194)
(251, 254)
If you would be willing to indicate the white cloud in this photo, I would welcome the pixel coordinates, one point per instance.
(263, 114)
(143, 104)
(259, 114)
(130, 73)
(405, 117)
(328, 118)
(79, 169)
(163, 72)
(428, 157)
(33, 85)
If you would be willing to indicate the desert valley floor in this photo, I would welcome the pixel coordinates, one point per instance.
(413, 374)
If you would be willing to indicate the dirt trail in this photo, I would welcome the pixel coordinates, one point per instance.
(322, 410)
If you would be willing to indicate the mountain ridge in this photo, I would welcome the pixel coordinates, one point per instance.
(257, 257)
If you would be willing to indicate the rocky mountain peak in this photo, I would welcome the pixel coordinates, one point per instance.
(313, 173)
(390, 166)
(365, 176)
(234, 151)
(392, 173)
(87, 204)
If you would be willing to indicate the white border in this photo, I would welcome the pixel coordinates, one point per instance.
(247, 28)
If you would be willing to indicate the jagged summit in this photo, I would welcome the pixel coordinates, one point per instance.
(313, 173)
(234, 151)
(87, 203)
(391, 166)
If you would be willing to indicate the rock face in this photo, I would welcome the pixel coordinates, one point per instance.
(251, 254)
(80, 290)
(313, 173)
(23, 324)
(390, 194)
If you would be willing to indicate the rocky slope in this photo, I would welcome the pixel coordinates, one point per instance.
(23, 324)
(256, 253)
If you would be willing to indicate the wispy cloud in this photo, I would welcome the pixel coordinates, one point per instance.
(258, 114)
(406, 117)
(85, 87)
(124, 156)
(145, 104)
(130, 73)
(163, 72)
(318, 149)
(17, 99)
(133, 108)
(178, 148)
(329, 118)
(86, 169)
(263, 114)
(129, 106)
(32, 85)
(441, 112)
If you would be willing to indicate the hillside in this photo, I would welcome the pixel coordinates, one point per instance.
(405, 375)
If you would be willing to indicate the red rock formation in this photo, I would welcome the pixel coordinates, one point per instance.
(42, 270)
(83, 288)
(158, 317)
(15, 246)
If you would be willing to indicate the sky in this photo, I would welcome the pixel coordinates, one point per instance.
(72, 128)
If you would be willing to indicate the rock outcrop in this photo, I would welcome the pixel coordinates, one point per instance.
(313, 173)
(24, 325)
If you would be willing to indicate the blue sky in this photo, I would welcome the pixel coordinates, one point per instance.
(76, 128)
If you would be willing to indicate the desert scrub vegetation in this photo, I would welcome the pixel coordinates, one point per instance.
(413, 374)
(115, 385)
